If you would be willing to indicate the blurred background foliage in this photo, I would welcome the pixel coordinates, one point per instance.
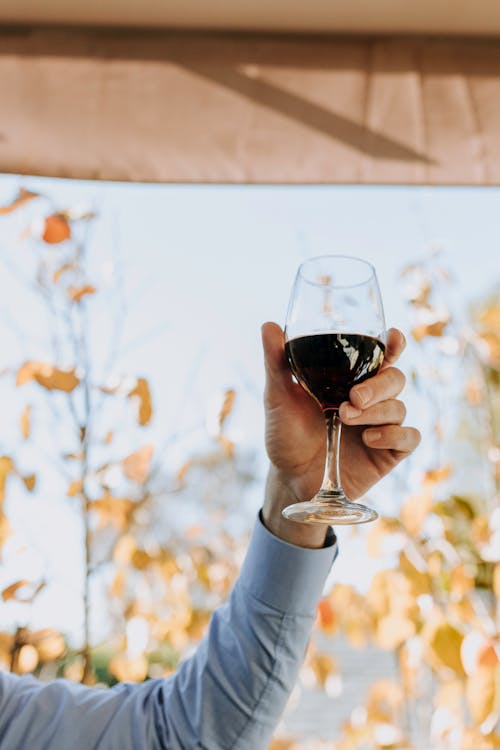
(161, 549)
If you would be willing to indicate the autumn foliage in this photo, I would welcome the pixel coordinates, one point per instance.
(435, 605)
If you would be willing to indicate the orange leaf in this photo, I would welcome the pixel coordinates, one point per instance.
(142, 392)
(136, 466)
(227, 406)
(29, 482)
(62, 270)
(49, 377)
(56, 229)
(77, 293)
(26, 422)
(11, 591)
(109, 438)
(75, 488)
(24, 196)
(326, 616)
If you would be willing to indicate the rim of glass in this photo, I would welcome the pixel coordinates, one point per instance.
(372, 275)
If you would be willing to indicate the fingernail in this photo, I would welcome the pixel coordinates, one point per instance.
(372, 435)
(351, 412)
(363, 394)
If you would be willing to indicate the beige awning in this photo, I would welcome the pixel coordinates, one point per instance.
(224, 107)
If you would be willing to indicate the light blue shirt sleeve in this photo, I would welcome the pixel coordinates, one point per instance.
(229, 694)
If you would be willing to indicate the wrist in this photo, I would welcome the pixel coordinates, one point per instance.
(279, 494)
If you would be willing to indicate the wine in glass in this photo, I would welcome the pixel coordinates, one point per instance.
(334, 339)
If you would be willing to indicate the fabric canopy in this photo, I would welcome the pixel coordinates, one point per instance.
(248, 108)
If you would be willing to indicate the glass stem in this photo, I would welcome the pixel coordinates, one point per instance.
(331, 480)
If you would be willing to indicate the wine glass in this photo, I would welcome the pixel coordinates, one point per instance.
(334, 339)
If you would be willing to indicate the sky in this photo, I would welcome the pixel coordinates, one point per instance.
(202, 267)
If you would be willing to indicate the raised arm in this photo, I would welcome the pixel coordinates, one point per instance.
(231, 692)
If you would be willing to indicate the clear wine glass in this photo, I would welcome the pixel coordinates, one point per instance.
(334, 338)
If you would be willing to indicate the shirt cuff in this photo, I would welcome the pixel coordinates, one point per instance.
(284, 576)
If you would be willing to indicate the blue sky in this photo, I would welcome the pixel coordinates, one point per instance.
(203, 267)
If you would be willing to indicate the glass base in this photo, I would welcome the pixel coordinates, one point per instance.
(329, 507)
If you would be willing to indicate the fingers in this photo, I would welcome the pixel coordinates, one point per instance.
(385, 412)
(385, 385)
(273, 342)
(402, 440)
(395, 346)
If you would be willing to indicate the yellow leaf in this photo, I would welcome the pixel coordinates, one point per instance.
(415, 510)
(24, 196)
(50, 645)
(26, 422)
(384, 701)
(5, 529)
(490, 317)
(480, 693)
(141, 560)
(136, 466)
(109, 438)
(49, 377)
(323, 665)
(445, 643)
(56, 229)
(124, 549)
(393, 630)
(480, 531)
(29, 482)
(434, 476)
(75, 488)
(129, 670)
(6, 467)
(461, 580)
(142, 393)
(77, 293)
(118, 584)
(419, 580)
(114, 510)
(474, 739)
(27, 659)
(429, 329)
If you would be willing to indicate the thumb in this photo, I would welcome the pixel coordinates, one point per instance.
(278, 374)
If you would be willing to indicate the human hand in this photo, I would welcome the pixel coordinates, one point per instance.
(373, 439)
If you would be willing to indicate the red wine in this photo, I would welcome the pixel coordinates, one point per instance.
(327, 365)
